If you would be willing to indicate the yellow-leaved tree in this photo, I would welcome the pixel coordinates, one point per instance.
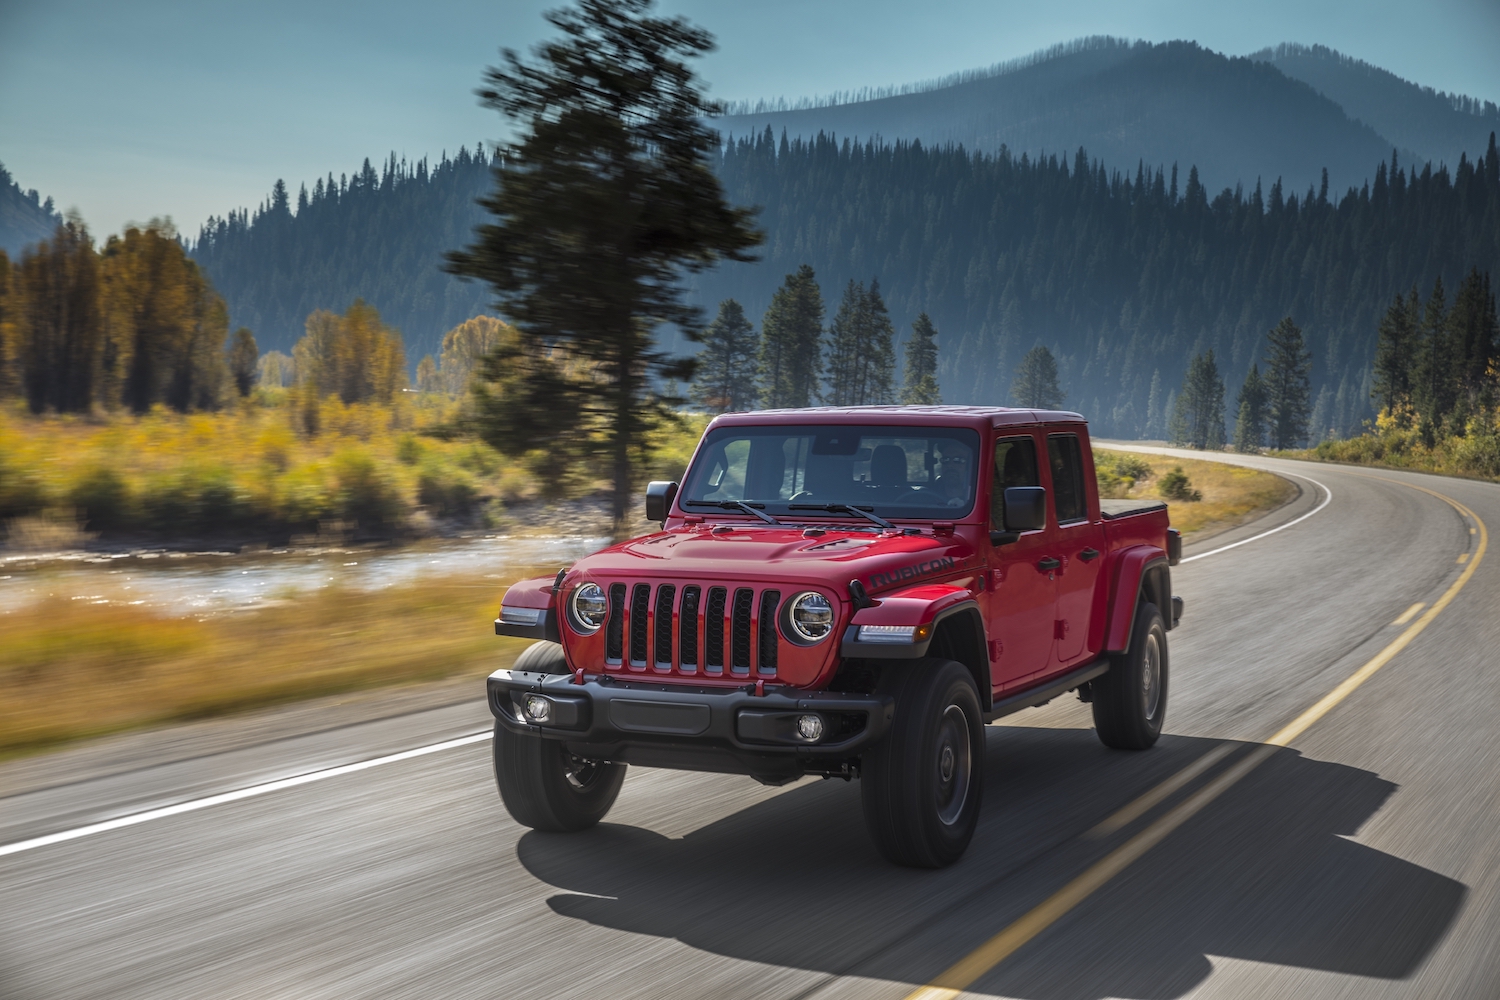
(466, 345)
(354, 356)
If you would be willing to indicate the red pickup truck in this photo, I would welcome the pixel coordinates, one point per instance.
(846, 592)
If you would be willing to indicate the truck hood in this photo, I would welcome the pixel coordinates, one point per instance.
(879, 560)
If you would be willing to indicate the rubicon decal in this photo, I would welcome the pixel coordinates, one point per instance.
(911, 572)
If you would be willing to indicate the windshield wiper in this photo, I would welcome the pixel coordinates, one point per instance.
(844, 508)
(735, 505)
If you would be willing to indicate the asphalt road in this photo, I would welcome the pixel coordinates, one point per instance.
(1362, 860)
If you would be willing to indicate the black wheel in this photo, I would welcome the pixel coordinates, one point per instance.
(921, 785)
(1131, 700)
(542, 785)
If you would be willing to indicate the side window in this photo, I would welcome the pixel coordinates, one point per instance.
(1015, 465)
(1067, 478)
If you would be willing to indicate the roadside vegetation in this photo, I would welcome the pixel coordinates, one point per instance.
(1202, 497)
(73, 669)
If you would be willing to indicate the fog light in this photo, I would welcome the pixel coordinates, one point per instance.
(538, 709)
(810, 728)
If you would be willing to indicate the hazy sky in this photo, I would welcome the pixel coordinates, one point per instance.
(190, 108)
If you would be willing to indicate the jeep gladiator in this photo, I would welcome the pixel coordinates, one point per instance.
(845, 592)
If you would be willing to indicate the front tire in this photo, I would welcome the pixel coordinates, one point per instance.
(1130, 701)
(921, 786)
(542, 785)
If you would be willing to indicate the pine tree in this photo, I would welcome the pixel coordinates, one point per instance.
(877, 384)
(1154, 411)
(1435, 389)
(1250, 424)
(725, 379)
(790, 341)
(1474, 336)
(243, 359)
(602, 205)
(1395, 355)
(861, 355)
(919, 385)
(1288, 365)
(1035, 385)
(1198, 420)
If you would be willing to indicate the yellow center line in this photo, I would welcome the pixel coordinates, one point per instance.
(1130, 813)
(1409, 613)
(1463, 557)
(958, 977)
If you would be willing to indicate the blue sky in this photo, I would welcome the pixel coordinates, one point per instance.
(146, 108)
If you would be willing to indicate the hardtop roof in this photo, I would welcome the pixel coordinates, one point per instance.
(970, 416)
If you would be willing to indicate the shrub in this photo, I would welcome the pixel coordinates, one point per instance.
(1175, 485)
(366, 494)
(103, 497)
(444, 490)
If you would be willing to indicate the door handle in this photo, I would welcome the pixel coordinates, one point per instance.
(1088, 554)
(1048, 564)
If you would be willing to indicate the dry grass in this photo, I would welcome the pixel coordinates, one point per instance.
(1232, 494)
(71, 669)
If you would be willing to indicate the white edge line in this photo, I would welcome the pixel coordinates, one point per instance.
(234, 796)
(1327, 498)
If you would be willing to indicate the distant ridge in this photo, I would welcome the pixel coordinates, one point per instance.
(1238, 119)
(1432, 124)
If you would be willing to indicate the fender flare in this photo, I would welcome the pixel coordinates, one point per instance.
(964, 617)
(1141, 571)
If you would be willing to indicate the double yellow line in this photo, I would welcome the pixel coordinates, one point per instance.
(958, 977)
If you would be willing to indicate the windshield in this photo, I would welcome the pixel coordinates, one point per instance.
(916, 472)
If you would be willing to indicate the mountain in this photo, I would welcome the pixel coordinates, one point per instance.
(1433, 125)
(1237, 119)
(24, 217)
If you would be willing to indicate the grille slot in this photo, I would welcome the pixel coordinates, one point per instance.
(687, 644)
(614, 631)
(640, 605)
(769, 601)
(662, 645)
(713, 631)
(744, 604)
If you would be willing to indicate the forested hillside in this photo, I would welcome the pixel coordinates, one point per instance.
(1125, 277)
(1433, 125)
(1237, 119)
(24, 217)
(378, 235)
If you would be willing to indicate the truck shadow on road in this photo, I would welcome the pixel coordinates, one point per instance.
(1263, 874)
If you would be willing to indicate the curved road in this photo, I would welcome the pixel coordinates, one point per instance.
(1269, 846)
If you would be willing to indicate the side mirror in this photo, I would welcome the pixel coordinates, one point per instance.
(659, 497)
(1025, 508)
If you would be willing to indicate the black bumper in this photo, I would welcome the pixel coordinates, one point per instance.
(729, 730)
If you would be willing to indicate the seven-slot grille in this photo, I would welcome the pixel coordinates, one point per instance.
(709, 630)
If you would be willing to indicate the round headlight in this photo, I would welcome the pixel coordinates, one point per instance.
(810, 618)
(588, 608)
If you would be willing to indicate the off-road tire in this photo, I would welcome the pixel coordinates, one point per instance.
(921, 786)
(542, 785)
(1130, 701)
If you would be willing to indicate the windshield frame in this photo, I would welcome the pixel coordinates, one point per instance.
(791, 510)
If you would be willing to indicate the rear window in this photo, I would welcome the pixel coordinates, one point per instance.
(911, 472)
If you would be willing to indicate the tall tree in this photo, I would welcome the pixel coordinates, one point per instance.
(919, 384)
(1436, 388)
(1250, 423)
(725, 380)
(1035, 385)
(244, 358)
(1288, 367)
(790, 342)
(599, 209)
(1198, 416)
(1395, 355)
(1474, 336)
(59, 323)
(465, 346)
(10, 361)
(861, 352)
(354, 356)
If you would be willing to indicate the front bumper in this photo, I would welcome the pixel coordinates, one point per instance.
(730, 730)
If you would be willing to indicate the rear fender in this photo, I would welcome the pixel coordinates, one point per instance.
(1140, 572)
(946, 622)
(532, 608)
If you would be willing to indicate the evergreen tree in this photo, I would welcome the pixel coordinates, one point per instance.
(60, 326)
(602, 205)
(1288, 365)
(861, 356)
(1395, 353)
(1198, 419)
(1154, 410)
(790, 337)
(919, 385)
(1035, 385)
(244, 358)
(725, 380)
(1474, 336)
(1250, 424)
(1436, 389)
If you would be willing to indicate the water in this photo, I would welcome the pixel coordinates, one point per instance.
(205, 583)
